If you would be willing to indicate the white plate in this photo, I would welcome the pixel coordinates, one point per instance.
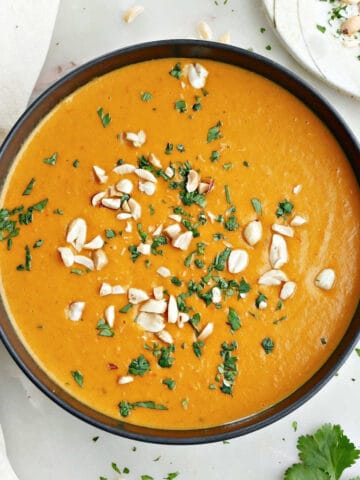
(322, 54)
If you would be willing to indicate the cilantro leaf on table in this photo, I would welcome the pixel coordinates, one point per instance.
(324, 455)
(301, 472)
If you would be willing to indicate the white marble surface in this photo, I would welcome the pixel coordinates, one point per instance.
(46, 443)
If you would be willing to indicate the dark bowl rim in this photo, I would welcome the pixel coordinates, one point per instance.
(211, 434)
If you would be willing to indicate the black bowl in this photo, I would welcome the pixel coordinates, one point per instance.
(162, 49)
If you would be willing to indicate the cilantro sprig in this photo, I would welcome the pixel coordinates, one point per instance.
(324, 455)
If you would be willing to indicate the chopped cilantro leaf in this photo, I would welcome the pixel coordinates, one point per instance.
(51, 160)
(180, 106)
(169, 148)
(126, 308)
(115, 467)
(215, 155)
(110, 233)
(146, 96)
(77, 376)
(176, 71)
(38, 243)
(214, 132)
(104, 117)
(231, 223)
(321, 28)
(176, 281)
(166, 360)
(255, 202)
(75, 163)
(104, 329)
(268, 345)
(221, 259)
(29, 187)
(233, 319)
(227, 194)
(134, 254)
(284, 209)
(260, 298)
(170, 383)
(126, 407)
(227, 166)
(139, 366)
(197, 346)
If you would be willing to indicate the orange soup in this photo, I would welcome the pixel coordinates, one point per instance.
(180, 243)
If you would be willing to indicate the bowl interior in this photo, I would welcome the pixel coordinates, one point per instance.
(105, 64)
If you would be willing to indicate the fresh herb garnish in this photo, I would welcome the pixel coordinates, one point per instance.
(180, 148)
(260, 298)
(143, 235)
(228, 369)
(146, 96)
(324, 455)
(157, 242)
(104, 117)
(134, 253)
(58, 211)
(227, 194)
(77, 376)
(126, 407)
(227, 166)
(51, 160)
(151, 209)
(126, 308)
(284, 209)
(233, 319)
(214, 132)
(268, 345)
(169, 148)
(279, 305)
(104, 329)
(176, 281)
(176, 71)
(221, 259)
(115, 468)
(38, 243)
(185, 403)
(166, 360)
(231, 223)
(170, 383)
(215, 155)
(110, 233)
(180, 106)
(75, 163)
(255, 202)
(218, 236)
(139, 366)
(76, 271)
(29, 187)
(279, 320)
(171, 476)
(321, 28)
(28, 258)
(197, 346)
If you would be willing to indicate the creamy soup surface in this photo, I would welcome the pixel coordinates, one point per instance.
(180, 243)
